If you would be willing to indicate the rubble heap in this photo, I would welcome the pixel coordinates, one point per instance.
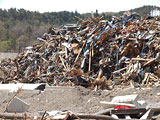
(96, 53)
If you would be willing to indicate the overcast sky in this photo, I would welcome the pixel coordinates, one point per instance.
(81, 6)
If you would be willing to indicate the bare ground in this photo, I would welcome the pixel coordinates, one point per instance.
(8, 55)
(76, 99)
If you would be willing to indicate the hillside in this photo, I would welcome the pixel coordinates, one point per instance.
(20, 28)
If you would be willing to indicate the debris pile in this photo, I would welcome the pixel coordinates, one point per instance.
(96, 54)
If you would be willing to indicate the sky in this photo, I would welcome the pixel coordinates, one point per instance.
(82, 6)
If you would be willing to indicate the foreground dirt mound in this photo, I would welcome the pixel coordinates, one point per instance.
(76, 99)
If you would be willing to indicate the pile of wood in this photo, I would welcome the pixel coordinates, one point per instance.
(97, 53)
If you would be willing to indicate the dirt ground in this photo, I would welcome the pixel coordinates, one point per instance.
(76, 99)
(8, 55)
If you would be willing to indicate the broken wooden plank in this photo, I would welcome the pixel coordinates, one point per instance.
(90, 116)
(140, 59)
(149, 62)
(104, 112)
(90, 59)
(119, 70)
(13, 116)
(62, 60)
(79, 53)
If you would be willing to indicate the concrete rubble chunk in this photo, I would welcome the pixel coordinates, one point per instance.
(17, 105)
(132, 99)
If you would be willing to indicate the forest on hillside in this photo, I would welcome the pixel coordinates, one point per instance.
(20, 28)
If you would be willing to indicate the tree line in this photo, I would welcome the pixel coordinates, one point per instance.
(20, 28)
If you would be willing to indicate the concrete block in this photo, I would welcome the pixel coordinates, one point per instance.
(130, 99)
(17, 105)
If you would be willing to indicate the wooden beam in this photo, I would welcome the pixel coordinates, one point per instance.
(140, 59)
(149, 62)
(13, 116)
(104, 112)
(91, 116)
